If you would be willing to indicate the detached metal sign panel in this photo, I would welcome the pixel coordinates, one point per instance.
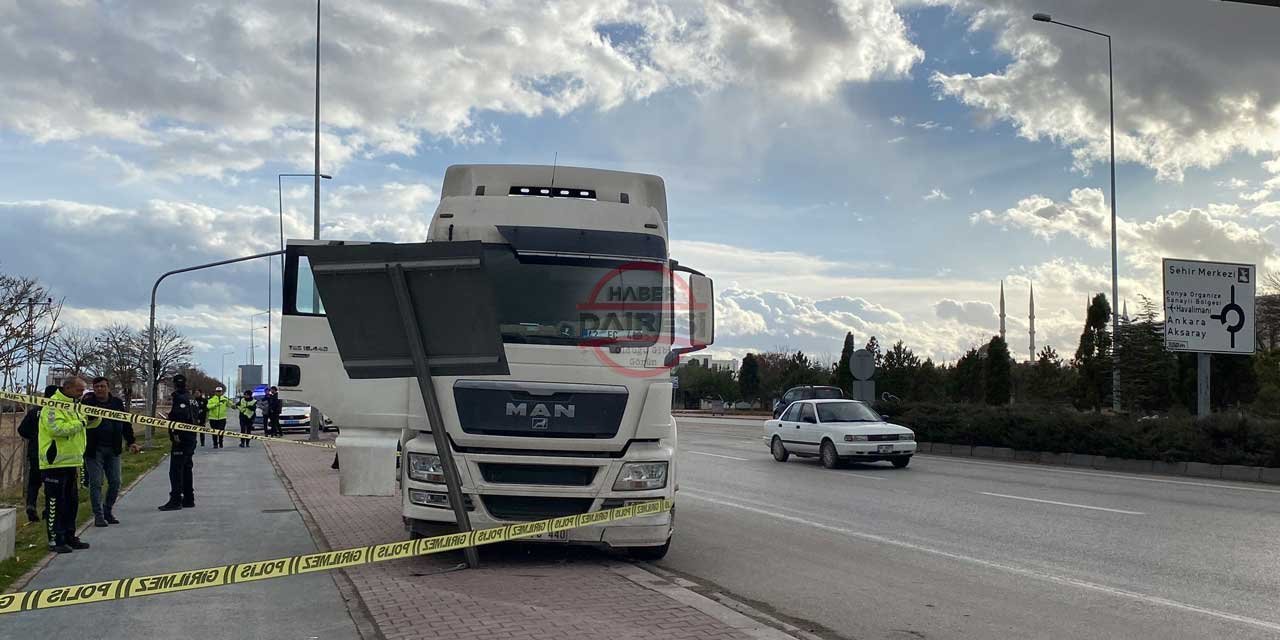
(1208, 306)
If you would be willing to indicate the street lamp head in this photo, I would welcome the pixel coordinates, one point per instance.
(326, 176)
(1042, 17)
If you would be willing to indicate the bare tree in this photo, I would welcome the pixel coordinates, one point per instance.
(121, 361)
(75, 350)
(1267, 311)
(28, 317)
(173, 352)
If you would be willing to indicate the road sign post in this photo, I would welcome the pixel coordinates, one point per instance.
(1208, 308)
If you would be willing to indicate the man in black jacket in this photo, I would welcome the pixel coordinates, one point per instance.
(102, 453)
(275, 406)
(29, 429)
(182, 448)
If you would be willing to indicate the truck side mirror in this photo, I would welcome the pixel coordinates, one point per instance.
(702, 311)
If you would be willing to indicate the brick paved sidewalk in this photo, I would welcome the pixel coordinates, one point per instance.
(520, 590)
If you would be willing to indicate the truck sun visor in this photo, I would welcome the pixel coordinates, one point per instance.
(584, 242)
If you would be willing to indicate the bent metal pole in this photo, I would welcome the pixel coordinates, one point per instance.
(153, 376)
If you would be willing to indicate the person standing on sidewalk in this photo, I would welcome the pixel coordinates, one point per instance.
(29, 429)
(202, 411)
(217, 409)
(246, 406)
(102, 454)
(182, 448)
(62, 445)
(275, 406)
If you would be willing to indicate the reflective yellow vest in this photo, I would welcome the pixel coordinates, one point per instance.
(246, 407)
(62, 435)
(217, 406)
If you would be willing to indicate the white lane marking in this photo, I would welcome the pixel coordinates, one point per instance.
(716, 455)
(1031, 573)
(1096, 474)
(859, 475)
(1063, 504)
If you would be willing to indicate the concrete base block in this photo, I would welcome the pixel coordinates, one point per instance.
(1241, 473)
(1054, 458)
(961, 450)
(1080, 460)
(1004, 453)
(8, 532)
(1270, 475)
(1170, 468)
(1202, 470)
(1126, 464)
(983, 452)
(1026, 456)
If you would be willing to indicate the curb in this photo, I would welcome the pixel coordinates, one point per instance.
(740, 617)
(363, 620)
(1236, 473)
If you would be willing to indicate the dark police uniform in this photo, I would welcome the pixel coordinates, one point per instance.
(182, 448)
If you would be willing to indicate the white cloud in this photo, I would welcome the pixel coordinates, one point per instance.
(970, 312)
(1183, 100)
(897, 139)
(936, 194)
(1255, 196)
(897, 120)
(216, 89)
(1233, 183)
(927, 125)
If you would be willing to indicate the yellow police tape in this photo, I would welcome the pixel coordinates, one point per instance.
(123, 588)
(147, 421)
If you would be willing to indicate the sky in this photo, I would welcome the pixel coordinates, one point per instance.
(863, 166)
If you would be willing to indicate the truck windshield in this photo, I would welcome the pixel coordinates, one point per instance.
(574, 301)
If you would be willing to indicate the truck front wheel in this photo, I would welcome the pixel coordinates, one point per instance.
(650, 554)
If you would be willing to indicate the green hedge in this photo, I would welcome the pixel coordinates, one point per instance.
(1221, 439)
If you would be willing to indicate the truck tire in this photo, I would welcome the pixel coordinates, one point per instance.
(650, 554)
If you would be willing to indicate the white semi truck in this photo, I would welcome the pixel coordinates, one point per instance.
(592, 313)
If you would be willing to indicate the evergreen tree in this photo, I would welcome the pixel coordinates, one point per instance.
(1147, 369)
(899, 372)
(1046, 383)
(873, 346)
(749, 378)
(998, 378)
(931, 383)
(966, 378)
(843, 377)
(1093, 356)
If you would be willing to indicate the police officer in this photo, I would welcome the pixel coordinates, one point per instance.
(216, 406)
(246, 406)
(271, 417)
(182, 448)
(62, 444)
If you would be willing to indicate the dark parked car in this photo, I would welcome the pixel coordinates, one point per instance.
(805, 392)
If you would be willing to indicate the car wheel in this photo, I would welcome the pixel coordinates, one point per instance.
(830, 459)
(650, 554)
(901, 463)
(780, 452)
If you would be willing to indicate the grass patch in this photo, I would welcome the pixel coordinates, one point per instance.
(32, 543)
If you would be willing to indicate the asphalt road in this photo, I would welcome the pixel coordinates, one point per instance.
(964, 548)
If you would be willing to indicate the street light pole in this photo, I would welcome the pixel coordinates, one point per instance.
(315, 233)
(224, 368)
(1115, 278)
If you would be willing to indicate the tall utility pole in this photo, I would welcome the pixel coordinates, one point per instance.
(1115, 279)
(315, 232)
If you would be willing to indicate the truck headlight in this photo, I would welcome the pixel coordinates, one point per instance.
(426, 467)
(853, 438)
(638, 476)
(907, 436)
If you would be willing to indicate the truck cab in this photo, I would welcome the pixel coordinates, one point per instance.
(592, 313)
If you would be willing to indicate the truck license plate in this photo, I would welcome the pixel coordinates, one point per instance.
(884, 448)
(554, 536)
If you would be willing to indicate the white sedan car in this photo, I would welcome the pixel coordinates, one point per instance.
(838, 431)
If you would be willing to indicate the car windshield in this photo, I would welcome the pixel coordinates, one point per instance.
(846, 412)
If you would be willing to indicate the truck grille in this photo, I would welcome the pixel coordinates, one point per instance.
(539, 410)
(534, 507)
(563, 475)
